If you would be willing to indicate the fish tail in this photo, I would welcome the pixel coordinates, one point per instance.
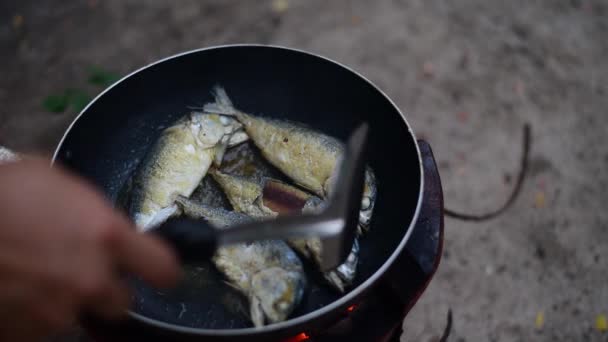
(220, 150)
(222, 105)
(334, 280)
(216, 174)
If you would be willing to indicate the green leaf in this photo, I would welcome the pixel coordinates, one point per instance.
(55, 103)
(79, 99)
(101, 77)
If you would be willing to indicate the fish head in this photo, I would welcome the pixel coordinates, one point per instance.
(206, 128)
(368, 200)
(212, 129)
(274, 294)
(314, 205)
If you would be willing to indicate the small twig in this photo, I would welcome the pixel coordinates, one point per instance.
(448, 328)
(520, 179)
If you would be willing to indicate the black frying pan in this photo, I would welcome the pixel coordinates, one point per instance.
(111, 136)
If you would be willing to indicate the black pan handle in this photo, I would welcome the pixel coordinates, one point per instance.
(193, 240)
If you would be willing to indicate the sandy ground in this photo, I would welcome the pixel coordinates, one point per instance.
(468, 75)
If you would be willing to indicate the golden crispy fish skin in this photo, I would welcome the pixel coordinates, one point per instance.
(268, 273)
(305, 155)
(177, 163)
(243, 194)
(267, 197)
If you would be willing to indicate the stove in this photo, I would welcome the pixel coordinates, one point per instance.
(379, 315)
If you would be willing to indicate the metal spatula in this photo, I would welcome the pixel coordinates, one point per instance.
(336, 226)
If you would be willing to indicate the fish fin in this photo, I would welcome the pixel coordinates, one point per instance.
(299, 245)
(314, 205)
(220, 150)
(348, 270)
(361, 230)
(161, 216)
(334, 280)
(231, 285)
(259, 202)
(213, 171)
(256, 311)
(181, 202)
(237, 138)
(222, 105)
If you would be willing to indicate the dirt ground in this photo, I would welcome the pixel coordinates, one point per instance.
(468, 74)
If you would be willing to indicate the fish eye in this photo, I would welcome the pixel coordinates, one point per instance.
(365, 203)
(282, 305)
(224, 120)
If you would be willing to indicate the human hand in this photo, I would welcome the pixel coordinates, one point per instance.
(61, 244)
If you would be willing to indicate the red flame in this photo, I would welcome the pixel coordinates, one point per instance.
(298, 338)
(351, 308)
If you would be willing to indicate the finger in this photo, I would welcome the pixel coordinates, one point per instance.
(131, 251)
(51, 314)
(113, 302)
(146, 256)
(28, 314)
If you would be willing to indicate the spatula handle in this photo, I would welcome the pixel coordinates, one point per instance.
(193, 240)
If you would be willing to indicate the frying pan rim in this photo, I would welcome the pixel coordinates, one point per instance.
(325, 309)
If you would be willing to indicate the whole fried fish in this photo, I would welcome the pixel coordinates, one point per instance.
(268, 273)
(267, 197)
(307, 156)
(177, 163)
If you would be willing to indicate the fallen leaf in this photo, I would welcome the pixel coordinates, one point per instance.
(461, 156)
(280, 6)
(587, 7)
(601, 324)
(539, 200)
(464, 60)
(539, 322)
(463, 116)
(17, 21)
(542, 184)
(519, 88)
(428, 70)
